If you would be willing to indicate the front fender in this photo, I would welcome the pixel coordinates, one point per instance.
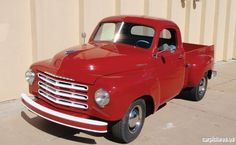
(124, 89)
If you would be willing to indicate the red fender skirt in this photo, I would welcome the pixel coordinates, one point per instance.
(62, 118)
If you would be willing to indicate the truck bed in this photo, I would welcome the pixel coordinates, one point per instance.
(188, 47)
(193, 50)
(198, 59)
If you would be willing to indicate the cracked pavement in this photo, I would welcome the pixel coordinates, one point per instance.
(179, 122)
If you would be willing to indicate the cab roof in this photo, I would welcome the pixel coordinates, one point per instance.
(145, 20)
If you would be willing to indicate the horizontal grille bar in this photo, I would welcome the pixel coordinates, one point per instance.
(64, 78)
(62, 101)
(62, 92)
(64, 84)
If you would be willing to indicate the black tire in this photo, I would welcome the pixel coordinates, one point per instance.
(125, 130)
(198, 92)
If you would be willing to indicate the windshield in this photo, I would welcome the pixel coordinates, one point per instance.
(127, 33)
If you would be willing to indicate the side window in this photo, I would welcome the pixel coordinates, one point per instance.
(167, 39)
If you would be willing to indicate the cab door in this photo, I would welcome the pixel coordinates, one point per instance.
(170, 64)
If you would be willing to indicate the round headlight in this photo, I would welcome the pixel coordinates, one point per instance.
(29, 76)
(102, 97)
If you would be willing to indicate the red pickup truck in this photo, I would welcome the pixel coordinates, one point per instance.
(130, 66)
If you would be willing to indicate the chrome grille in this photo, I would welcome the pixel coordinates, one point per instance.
(63, 84)
(61, 91)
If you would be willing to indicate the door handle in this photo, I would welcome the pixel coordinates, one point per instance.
(181, 56)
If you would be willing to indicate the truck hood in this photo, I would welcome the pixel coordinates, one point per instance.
(88, 62)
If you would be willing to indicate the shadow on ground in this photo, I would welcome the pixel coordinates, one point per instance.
(63, 131)
(185, 95)
(56, 129)
(73, 134)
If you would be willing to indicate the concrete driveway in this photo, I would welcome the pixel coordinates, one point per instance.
(179, 122)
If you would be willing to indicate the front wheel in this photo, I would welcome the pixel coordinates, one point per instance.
(198, 92)
(127, 129)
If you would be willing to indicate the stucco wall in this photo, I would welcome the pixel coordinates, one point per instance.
(15, 46)
(32, 30)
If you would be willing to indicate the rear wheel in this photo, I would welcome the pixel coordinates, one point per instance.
(198, 92)
(127, 129)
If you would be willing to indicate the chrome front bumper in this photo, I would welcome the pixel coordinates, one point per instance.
(62, 118)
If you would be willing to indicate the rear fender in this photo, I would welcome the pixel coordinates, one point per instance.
(199, 67)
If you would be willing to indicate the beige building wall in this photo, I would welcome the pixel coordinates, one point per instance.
(32, 30)
(15, 47)
(94, 11)
(56, 26)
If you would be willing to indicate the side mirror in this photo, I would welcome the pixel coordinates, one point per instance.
(165, 48)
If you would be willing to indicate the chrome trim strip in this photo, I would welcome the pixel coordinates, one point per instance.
(60, 77)
(63, 84)
(62, 92)
(27, 99)
(62, 101)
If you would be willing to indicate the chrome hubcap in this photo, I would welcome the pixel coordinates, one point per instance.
(135, 118)
(202, 87)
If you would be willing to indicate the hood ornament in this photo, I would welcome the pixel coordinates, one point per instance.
(70, 51)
